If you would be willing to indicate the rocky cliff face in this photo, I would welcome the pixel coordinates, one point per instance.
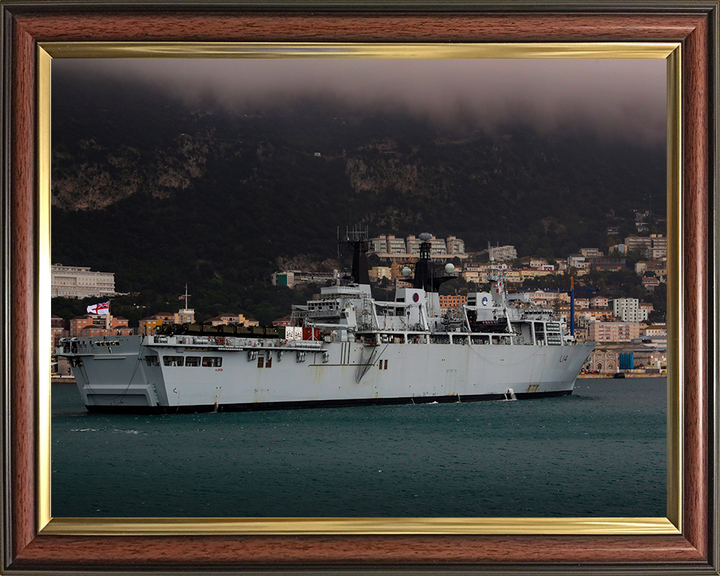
(97, 176)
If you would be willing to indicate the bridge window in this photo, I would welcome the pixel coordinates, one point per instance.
(192, 361)
(212, 361)
(173, 360)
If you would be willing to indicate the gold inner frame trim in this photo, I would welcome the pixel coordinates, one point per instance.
(356, 526)
(353, 50)
(349, 526)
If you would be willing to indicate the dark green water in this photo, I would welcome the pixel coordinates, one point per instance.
(599, 452)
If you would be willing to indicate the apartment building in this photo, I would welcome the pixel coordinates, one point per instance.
(503, 253)
(591, 252)
(629, 310)
(389, 246)
(577, 261)
(647, 245)
(614, 331)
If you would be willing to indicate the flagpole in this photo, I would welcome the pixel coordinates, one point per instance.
(107, 319)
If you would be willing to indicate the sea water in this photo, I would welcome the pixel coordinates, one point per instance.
(599, 452)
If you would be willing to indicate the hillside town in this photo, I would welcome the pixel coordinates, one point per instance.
(631, 334)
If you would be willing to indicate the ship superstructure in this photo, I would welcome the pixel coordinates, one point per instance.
(343, 348)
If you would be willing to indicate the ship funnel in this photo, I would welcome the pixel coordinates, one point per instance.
(357, 239)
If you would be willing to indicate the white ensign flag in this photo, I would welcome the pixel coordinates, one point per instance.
(101, 308)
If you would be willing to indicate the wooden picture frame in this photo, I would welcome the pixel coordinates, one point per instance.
(29, 547)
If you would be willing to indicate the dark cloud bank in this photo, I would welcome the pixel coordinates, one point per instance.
(611, 98)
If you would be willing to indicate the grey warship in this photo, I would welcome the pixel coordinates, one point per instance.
(344, 348)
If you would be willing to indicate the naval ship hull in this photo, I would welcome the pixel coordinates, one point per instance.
(171, 374)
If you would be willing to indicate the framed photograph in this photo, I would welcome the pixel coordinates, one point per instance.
(684, 540)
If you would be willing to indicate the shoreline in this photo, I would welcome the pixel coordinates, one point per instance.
(631, 375)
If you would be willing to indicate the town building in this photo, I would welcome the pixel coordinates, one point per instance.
(389, 246)
(599, 302)
(184, 316)
(614, 331)
(80, 282)
(377, 273)
(599, 314)
(89, 325)
(582, 303)
(591, 253)
(577, 261)
(474, 276)
(629, 310)
(604, 361)
(227, 319)
(657, 267)
(150, 324)
(57, 329)
(526, 273)
(451, 301)
(537, 263)
(608, 264)
(655, 331)
(503, 253)
(646, 245)
(291, 278)
(650, 283)
(546, 298)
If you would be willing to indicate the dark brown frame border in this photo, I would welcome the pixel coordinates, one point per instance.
(693, 23)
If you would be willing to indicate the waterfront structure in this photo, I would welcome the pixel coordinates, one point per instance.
(604, 361)
(80, 282)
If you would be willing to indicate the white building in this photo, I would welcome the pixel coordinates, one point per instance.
(388, 246)
(629, 310)
(80, 282)
(501, 253)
